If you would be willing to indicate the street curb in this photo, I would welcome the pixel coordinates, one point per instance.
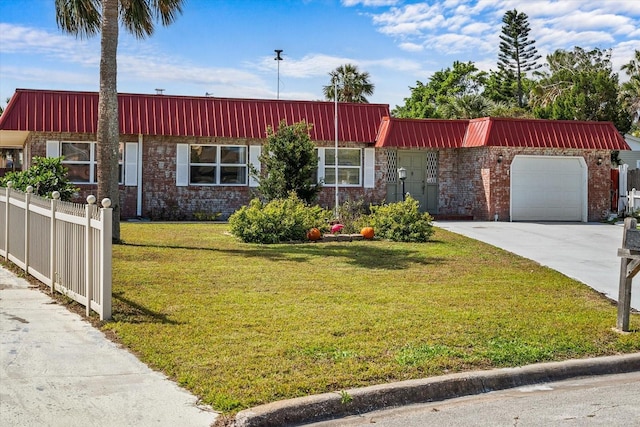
(328, 406)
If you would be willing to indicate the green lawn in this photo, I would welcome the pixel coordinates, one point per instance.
(241, 324)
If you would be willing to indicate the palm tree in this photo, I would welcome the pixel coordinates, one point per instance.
(468, 106)
(352, 85)
(85, 18)
(630, 91)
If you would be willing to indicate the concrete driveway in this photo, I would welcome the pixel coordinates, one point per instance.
(587, 252)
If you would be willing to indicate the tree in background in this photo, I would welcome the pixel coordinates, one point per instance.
(289, 162)
(630, 90)
(2, 108)
(47, 175)
(85, 18)
(580, 85)
(352, 85)
(518, 54)
(432, 100)
(467, 107)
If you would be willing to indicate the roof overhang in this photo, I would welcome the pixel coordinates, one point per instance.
(13, 138)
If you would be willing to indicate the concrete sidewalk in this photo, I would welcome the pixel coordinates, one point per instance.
(587, 252)
(58, 370)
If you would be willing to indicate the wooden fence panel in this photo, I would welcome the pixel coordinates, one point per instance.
(633, 179)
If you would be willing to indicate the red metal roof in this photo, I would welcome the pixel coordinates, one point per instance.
(499, 132)
(77, 112)
(532, 133)
(421, 133)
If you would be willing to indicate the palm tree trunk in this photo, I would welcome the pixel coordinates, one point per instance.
(108, 129)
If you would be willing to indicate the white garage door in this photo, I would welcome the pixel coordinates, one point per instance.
(545, 188)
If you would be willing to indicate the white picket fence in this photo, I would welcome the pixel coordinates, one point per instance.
(632, 201)
(66, 246)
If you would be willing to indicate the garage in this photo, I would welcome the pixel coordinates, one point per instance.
(548, 188)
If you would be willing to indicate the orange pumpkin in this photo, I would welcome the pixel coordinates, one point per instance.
(314, 234)
(367, 232)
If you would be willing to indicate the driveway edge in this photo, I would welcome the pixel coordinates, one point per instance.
(327, 406)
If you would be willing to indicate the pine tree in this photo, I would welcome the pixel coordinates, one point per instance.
(517, 53)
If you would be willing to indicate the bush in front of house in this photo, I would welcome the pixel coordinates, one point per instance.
(280, 220)
(46, 175)
(289, 162)
(401, 221)
(353, 215)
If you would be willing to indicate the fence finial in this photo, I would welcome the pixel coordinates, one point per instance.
(29, 189)
(9, 184)
(106, 203)
(91, 199)
(55, 195)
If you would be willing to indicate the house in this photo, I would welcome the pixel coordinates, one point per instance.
(185, 156)
(632, 157)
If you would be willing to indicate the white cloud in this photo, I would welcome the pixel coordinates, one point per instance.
(456, 43)
(54, 78)
(594, 20)
(369, 3)
(16, 39)
(410, 19)
(311, 65)
(561, 39)
(476, 28)
(411, 47)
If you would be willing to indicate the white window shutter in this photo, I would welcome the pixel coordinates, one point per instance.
(131, 164)
(254, 160)
(53, 149)
(320, 164)
(182, 165)
(369, 167)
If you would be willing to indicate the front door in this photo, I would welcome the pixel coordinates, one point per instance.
(421, 182)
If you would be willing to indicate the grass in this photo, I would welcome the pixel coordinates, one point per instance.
(241, 325)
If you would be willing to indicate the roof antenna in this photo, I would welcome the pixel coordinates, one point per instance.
(159, 91)
(208, 94)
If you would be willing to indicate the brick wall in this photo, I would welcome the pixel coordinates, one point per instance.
(163, 200)
(473, 182)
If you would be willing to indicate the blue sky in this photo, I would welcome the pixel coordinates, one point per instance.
(226, 48)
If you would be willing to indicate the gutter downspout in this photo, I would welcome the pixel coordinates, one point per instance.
(139, 190)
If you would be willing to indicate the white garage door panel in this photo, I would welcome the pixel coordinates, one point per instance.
(545, 188)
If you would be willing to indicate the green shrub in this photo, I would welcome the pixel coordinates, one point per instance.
(47, 175)
(280, 220)
(401, 222)
(353, 215)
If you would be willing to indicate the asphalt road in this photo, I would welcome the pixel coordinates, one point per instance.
(609, 400)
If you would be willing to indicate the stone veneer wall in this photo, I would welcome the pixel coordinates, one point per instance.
(162, 199)
(472, 182)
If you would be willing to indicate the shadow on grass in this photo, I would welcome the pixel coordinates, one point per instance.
(360, 255)
(131, 312)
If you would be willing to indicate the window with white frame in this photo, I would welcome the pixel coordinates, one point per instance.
(217, 165)
(80, 159)
(349, 167)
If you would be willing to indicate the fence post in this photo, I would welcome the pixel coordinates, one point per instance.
(6, 221)
(52, 250)
(628, 268)
(88, 252)
(106, 216)
(27, 200)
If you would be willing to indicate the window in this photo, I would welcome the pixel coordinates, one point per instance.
(349, 166)
(217, 165)
(80, 158)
